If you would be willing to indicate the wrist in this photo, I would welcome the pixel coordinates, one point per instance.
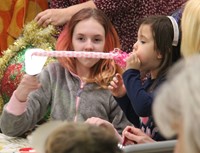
(20, 97)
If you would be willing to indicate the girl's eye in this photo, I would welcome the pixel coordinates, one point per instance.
(98, 40)
(80, 38)
(143, 42)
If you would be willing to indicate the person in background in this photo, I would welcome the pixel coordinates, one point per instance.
(70, 137)
(75, 88)
(124, 15)
(177, 103)
(156, 50)
(190, 26)
(174, 112)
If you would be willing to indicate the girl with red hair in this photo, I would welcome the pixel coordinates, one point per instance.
(75, 88)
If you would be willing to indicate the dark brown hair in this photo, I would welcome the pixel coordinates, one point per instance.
(163, 34)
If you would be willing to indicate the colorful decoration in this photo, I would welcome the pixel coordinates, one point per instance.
(14, 14)
(12, 61)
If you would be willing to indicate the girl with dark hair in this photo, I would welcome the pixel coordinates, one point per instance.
(156, 50)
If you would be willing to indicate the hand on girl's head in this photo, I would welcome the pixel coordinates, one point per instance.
(133, 62)
(102, 123)
(116, 86)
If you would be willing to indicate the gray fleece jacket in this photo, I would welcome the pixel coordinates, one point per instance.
(69, 99)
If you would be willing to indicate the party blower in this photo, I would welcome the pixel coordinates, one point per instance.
(35, 58)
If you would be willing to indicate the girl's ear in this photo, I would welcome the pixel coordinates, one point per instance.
(159, 55)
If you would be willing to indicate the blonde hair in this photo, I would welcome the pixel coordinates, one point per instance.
(177, 103)
(190, 25)
(81, 138)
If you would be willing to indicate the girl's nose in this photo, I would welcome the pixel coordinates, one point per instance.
(134, 47)
(89, 46)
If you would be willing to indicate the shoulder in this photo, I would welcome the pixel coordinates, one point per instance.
(132, 72)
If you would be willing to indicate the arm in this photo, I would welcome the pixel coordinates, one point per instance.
(128, 110)
(140, 99)
(13, 124)
(60, 16)
(117, 117)
(118, 90)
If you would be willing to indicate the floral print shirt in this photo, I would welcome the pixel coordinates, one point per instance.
(126, 14)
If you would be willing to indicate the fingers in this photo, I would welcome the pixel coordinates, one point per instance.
(117, 81)
(128, 128)
(41, 14)
(27, 84)
(44, 18)
(118, 76)
(114, 83)
(116, 86)
(133, 62)
(44, 22)
(131, 137)
(136, 135)
(132, 134)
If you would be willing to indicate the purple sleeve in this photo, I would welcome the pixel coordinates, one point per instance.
(112, 7)
(63, 3)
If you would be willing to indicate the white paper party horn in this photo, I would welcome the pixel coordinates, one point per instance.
(34, 64)
(117, 55)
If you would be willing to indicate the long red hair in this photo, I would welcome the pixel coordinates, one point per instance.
(103, 71)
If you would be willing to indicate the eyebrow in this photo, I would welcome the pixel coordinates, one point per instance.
(143, 36)
(97, 35)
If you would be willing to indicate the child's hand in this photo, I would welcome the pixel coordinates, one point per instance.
(117, 87)
(133, 62)
(28, 83)
(132, 135)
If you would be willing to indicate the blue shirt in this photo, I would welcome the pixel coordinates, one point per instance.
(137, 104)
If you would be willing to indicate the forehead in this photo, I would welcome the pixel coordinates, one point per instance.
(89, 25)
(146, 31)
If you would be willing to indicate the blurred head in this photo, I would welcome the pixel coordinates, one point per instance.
(104, 34)
(177, 104)
(190, 25)
(154, 45)
(81, 138)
